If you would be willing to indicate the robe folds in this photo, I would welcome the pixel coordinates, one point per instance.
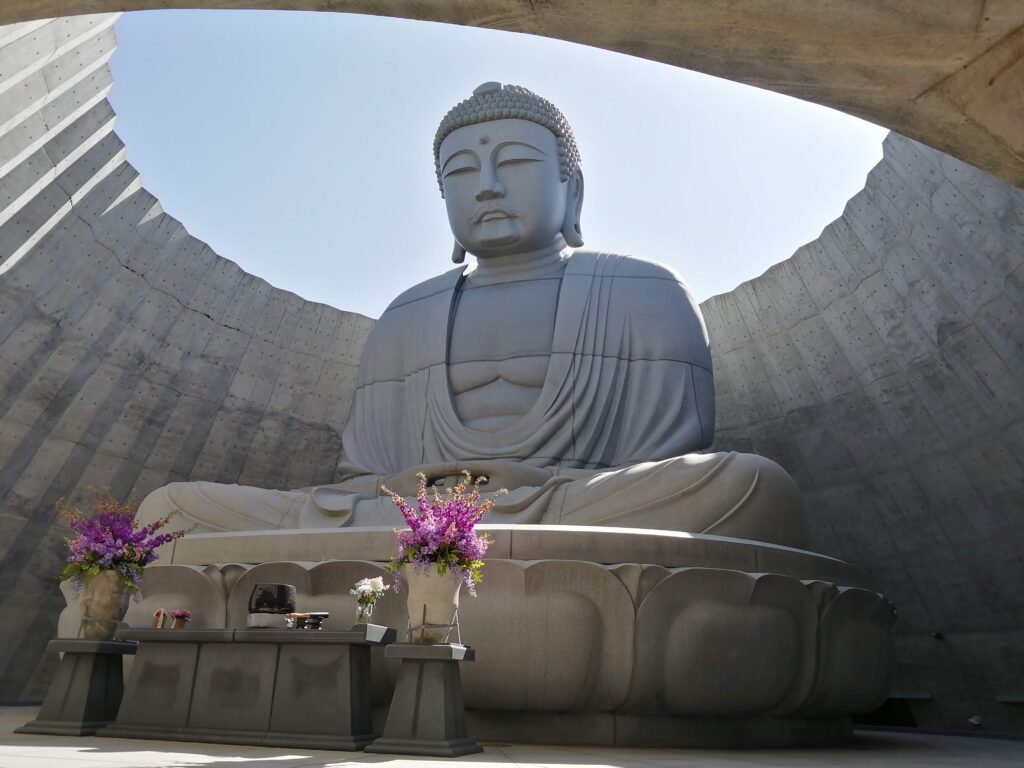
(611, 440)
(629, 379)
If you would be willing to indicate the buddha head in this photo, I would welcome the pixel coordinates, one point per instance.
(509, 172)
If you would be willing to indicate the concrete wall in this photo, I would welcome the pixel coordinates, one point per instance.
(949, 73)
(131, 355)
(883, 365)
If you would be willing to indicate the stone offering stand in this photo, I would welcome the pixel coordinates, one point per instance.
(616, 636)
(280, 687)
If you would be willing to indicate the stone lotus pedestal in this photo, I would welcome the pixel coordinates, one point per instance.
(594, 635)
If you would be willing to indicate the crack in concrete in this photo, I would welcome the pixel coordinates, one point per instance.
(951, 75)
(251, 336)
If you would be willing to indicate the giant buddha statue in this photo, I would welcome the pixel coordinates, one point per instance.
(580, 381)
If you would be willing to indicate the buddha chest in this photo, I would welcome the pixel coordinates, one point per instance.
(499, 349)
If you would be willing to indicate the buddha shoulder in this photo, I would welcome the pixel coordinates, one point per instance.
(425, 290)
(411, 334)
(620, 265)
(650, 310)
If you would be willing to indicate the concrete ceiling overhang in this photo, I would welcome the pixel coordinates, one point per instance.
(949, 73)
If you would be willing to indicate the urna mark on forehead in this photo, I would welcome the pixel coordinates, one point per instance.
(493, 101)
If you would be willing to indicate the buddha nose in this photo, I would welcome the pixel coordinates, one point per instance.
(490, 187)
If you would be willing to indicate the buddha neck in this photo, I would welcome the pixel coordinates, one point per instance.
(531, 265)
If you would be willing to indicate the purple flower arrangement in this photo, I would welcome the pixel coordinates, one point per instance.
(110, 541)
(441, 530)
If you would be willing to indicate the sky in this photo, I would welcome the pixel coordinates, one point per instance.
(299, 145)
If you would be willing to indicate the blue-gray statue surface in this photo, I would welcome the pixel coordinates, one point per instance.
(580, 381)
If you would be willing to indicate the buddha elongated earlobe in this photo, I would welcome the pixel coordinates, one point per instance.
(573, 209)
(572, 234)
(458, 253)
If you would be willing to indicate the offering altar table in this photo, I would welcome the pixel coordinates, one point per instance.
(281, 687)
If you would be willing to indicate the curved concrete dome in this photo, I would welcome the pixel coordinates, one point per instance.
(946, 72)
(881, 364)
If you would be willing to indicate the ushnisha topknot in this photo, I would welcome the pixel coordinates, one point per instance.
(494, 101)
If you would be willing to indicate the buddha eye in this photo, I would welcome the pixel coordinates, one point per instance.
(461, 171)
(517, 153)
(460, 163)
(517, 161)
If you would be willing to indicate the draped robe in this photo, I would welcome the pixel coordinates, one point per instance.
(627, 401)
(629, 378)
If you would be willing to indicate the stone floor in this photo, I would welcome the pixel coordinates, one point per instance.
(871, 749)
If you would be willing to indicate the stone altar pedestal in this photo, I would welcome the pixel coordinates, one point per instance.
(600, 636)
(280, 687)
(427, 715)
(86, 693)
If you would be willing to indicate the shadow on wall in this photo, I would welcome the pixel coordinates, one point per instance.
(881, 365)
(133, 355)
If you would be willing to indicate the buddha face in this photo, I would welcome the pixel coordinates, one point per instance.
(502, 187)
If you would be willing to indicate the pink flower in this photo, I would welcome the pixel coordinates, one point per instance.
(441, 529)
(110, 541)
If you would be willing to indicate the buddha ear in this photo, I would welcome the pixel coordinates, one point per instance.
(573, 210)
(458, 253)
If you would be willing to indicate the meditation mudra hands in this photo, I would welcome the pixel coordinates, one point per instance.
(580, 381)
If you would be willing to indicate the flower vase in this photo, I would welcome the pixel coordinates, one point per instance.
(104, 604)
(180, 623)
(364, 612)
(433, 600)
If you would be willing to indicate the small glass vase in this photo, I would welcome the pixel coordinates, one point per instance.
(363, 613)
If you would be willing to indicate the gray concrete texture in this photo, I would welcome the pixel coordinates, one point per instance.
(945, 72)
(881, 365)
(131, 354)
